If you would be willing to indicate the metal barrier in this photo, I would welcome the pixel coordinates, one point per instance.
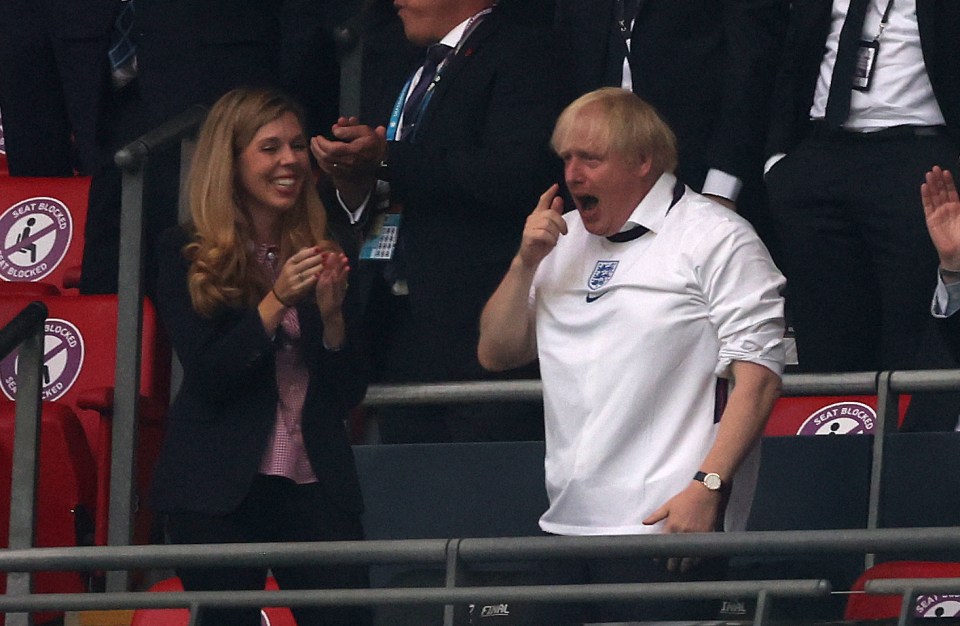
(456, 554)
(133, 160)
(26, 330)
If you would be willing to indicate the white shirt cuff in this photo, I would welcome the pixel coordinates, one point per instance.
(946, 298)
(720, 183)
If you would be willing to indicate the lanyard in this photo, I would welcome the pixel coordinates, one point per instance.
(884, 19)
(393, 126)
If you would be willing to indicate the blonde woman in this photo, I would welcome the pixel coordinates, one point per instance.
(253, 295)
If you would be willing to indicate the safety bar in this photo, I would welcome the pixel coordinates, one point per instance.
(27, 331)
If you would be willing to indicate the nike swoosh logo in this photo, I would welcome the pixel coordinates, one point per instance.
(596, 296)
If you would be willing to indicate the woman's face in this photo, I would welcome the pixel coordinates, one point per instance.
(273, 168)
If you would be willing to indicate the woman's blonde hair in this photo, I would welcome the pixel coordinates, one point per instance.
(223, 270)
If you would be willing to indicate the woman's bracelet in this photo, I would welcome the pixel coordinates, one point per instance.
(279, 299)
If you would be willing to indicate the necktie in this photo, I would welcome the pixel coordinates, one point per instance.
(122, 52)
(841, 83)
(412, 108)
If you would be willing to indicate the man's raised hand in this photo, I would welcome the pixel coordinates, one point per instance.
(543, 229)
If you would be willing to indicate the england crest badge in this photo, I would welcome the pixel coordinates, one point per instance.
(602, 274)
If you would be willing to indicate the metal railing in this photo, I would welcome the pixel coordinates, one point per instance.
(26, 330)
(457, 555)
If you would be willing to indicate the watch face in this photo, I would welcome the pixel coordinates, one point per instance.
(712, 481)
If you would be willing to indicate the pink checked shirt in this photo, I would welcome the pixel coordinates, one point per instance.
(286, 455)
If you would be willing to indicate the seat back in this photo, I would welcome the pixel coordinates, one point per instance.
(270, 616)
(861, 606)
(65, 491)
(41, 229)
(80, 348)
(79, 369)
(826, 415)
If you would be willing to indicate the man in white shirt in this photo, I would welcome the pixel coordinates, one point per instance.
(867, 100)
(641, 305)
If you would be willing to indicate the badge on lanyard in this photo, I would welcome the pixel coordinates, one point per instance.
(382, 240)
(866, 62)
(867, 52)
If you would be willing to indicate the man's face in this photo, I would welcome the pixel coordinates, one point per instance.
(427, 21)
(606, 187)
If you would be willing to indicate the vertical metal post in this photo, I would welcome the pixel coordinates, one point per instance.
(887, 415)
(127, 377)
(907, 607)
(763, 609)
(453, 577)
(26, 463)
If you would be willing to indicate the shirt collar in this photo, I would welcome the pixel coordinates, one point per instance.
(453, 38)
(653, 209)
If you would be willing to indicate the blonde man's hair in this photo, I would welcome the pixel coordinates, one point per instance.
(223, 269)
(619, 121)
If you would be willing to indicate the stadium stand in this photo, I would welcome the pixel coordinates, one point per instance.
(881, 607)
(65, 496)
(49, 214)
(80, 345)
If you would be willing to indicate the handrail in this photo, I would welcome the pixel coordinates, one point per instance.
(859, 383)
(27, 331)
(420, 595)
(134, 155)
(26, 322)
(465, 552)
(133, 160)
(473, 550)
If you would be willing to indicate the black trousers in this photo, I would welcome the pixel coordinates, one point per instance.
(276, 509)
(859, 263)
(51, 93)
(628, 570)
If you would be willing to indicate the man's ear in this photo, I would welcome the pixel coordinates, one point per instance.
(644, 166)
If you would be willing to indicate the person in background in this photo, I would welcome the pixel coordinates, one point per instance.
(867, 100)
(54, 82)
(254, 297)
(941, 206)
(449, 160)
(706, 66)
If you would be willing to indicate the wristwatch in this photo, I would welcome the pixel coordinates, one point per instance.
(710, 480)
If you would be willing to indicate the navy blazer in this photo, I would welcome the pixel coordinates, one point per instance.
(467, 180)
(939, 23)
(707, 66)
(480, 157)
(219, 423)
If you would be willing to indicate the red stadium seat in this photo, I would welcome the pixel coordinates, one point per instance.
(878, 607)
(271, 616)
(79, 368)
(826, 415)
(49, 214)
(65, 493)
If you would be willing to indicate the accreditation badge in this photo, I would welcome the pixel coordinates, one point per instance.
(866, 63)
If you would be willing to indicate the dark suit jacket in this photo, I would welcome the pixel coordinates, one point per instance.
(468, 179)
(707, 66)
(194, 51)
(53, 82)
(219, 424)
(939, 23)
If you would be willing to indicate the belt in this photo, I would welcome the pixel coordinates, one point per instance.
(818, 129)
